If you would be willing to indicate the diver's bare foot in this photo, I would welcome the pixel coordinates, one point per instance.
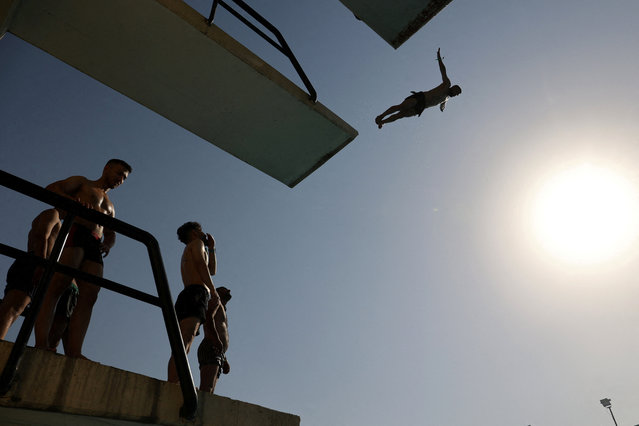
(379, 125)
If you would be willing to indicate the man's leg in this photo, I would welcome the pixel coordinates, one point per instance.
(79, 322)
(407, 104)
(14, 303)
(400, 114)
(390, 110)
(208, 377)
(57, 332)
(188, 328)
(71, 256)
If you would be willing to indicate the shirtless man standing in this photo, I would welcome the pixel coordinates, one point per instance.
(210, 354)
(197, 265)
(416, 103)
(84, 250)
(22, 278)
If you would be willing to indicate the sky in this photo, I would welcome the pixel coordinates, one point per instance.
(401, 282)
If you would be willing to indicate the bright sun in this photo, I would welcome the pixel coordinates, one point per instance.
(586, 214)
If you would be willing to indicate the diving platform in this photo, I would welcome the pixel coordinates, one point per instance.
(395, 21)
(57, 390)
(166, 56)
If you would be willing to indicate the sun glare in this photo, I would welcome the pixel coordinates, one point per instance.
(586, 214)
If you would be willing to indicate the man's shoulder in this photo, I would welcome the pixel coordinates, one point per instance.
(77, 178)
(194, 246)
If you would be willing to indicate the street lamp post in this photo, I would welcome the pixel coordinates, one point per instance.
(607, 404)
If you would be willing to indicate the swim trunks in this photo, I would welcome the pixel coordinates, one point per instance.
(192, 302)
(421, 102)
(67, 302)
(81, 236)
(20, 276)
(209, 354)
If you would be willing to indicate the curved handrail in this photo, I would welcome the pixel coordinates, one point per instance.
(163, 300)
(282, 47)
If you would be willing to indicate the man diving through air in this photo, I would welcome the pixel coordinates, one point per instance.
(416, 103)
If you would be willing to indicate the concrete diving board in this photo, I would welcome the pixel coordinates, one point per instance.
(163, 54)
(395, 21)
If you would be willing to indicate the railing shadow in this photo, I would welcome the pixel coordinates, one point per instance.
(51, 265)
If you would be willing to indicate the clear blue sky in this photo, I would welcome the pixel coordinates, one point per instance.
(398, 283)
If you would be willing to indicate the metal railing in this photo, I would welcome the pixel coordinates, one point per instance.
(280, 44)
(51, 265)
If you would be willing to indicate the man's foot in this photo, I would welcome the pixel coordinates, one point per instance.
(378, 119)
(379, 125)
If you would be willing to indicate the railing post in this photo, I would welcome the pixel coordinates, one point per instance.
(212, 14)
(189, 394)
(282, 47)
(13, 362)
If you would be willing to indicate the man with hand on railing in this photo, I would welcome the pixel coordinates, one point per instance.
(23, 275)
(83, 250)
(197, 265)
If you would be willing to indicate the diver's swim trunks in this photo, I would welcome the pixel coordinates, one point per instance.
(192, 302)
(68, 300)
(421, 102)
(209, 354)
(20, 276)
(81, 236)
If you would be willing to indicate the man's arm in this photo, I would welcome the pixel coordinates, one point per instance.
(67, 187)
(442, 106)
(212, 257)
(108, 242)
(442, 68)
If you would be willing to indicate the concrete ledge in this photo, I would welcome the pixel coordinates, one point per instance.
(49, 383)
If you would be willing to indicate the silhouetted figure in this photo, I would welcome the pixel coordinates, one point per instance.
(23, 275)
(416, 103)
(84, 250)
(212, 350)
(199, 298)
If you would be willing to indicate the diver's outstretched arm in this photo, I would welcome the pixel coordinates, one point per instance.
(442, 67)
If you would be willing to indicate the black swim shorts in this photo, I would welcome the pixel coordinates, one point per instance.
(80, 236)
(20, 276)
(192, 302)
(421, 102)
(209, 354)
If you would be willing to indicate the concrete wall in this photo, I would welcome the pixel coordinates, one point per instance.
(51, 388)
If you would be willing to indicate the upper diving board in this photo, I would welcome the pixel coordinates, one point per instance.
(164, 55)
(395, 21)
